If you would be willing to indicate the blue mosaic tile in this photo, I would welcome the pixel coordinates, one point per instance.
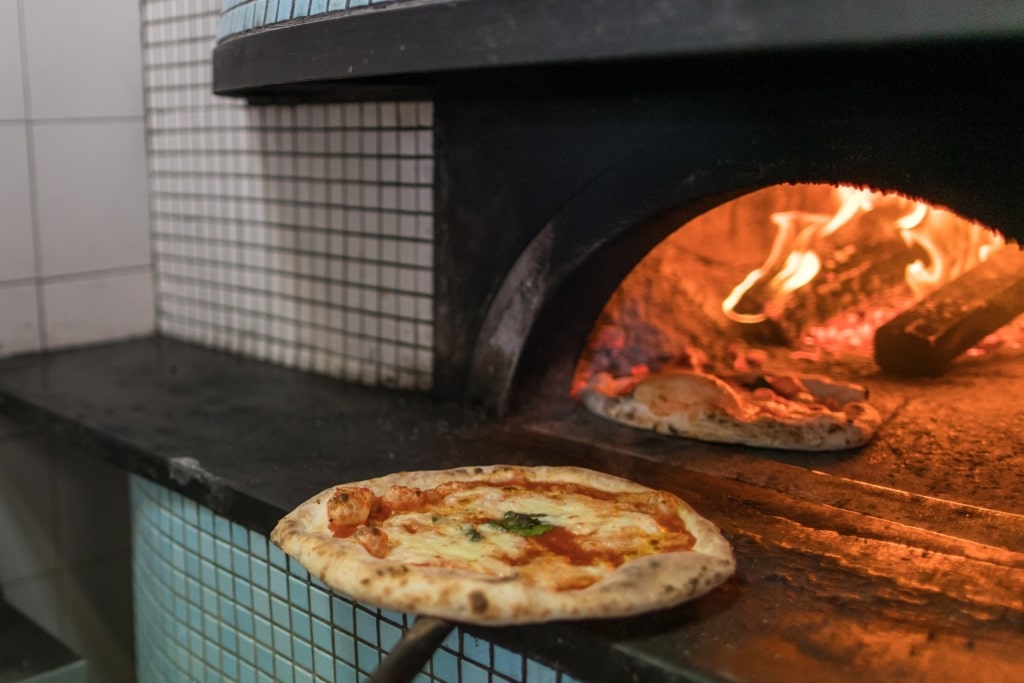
(389, 635)
(263, 631)
(258, 545)
(240, 562)
(320, 603)
(323, 664)
(205, 518)
(205, 546)
(300, 623)
(538, 673)
(245, 621)
(264, 659)
(476, 649)
(259, 12)
(229, 638)
(282, 642)
(366, 626)
(302, 652)
(343, 671)
(445, 666)
(344, 646)
(222, 558)
(341, 614)
(246, 648)
(259, 571)
(368, 656)
(221, 528)
(322, 634)
(226, 610)
(507, 663)
(277, 557)
(279, 612)
(243, 592)
(471, 673)
(256, 615)
(225, 582)
(298, 592)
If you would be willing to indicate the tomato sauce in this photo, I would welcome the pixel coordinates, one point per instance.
(343, 530)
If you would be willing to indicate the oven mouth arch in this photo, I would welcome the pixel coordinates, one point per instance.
(537, 323)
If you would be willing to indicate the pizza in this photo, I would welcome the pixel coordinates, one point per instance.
(806, 413)
(507, 544)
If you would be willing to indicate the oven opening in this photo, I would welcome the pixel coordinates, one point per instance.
(802, 283)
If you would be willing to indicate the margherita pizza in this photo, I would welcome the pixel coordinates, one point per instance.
(771, 411)
(507, 545)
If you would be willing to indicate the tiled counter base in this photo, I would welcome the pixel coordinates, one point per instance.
(216, 602)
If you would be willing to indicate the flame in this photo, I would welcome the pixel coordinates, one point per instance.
(841, 262)
(951, 246)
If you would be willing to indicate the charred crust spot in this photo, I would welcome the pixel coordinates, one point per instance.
(478, 470)
(478, 602)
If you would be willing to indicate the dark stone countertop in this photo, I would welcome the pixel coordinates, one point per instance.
(251, 441)
(839, 579)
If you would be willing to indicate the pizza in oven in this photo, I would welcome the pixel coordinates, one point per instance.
(507, 545)
(806, 413)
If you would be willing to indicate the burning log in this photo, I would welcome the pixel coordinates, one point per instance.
(848, 278)
(924, 339)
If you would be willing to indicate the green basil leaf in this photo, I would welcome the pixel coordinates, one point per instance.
(522, 524)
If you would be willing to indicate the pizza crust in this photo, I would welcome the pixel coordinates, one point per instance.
(701, 406)
(639, 585)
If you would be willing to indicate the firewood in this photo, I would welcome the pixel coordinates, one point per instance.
(871, 271)
(926, 338)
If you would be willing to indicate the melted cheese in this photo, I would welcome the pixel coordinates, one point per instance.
(592, 535)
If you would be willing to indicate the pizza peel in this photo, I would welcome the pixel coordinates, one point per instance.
(410, 654)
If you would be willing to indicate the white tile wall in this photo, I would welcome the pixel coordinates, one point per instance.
(83, 58)
(19, 319)
(17, 254)
(301, 235)
(12, 103)
(74, 224)
(99, 308)
(75, 268)
(89, 220)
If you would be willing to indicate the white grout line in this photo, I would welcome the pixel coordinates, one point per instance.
(33, 190)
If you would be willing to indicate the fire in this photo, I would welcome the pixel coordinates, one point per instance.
(945, 245)
(819, 269)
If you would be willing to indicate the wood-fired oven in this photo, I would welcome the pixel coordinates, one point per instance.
(901, 560)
